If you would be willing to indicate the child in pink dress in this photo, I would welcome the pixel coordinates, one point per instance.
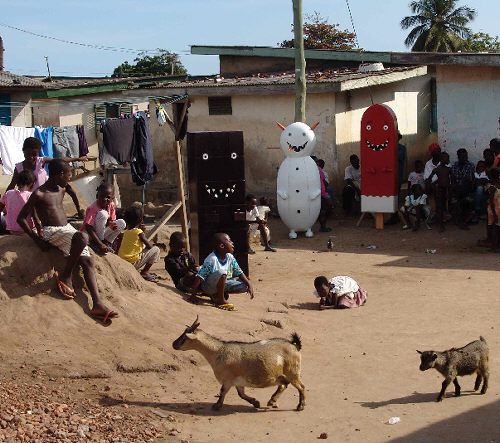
(13, 200)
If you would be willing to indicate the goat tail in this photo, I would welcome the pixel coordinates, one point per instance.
(483, 339)
(296, 341)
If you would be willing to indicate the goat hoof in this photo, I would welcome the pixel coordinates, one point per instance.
(439, 399)
(216, 406)
(256, 404)
(300, 407)
(457, 393)
(483, 391)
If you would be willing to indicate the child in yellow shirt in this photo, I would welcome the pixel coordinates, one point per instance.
(135, 247)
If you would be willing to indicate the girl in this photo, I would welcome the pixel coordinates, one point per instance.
(339, 292)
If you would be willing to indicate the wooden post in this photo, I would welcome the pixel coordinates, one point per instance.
(379, 220)
(181, 190)
(300, 63)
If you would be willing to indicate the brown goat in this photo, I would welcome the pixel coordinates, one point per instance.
(470, 359)
(273, 362)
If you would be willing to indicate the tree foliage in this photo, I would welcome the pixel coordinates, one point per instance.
(481, 42)
(319, 34)
(437, 25)
(164, 63)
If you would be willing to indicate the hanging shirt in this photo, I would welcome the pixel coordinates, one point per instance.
(143, 166)
(14, 200)
(45, 136)
(118, 138)
(11, 145)
(66, 142)
(39, 171)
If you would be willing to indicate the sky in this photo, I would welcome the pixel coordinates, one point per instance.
(175, 25)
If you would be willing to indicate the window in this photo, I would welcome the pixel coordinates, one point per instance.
(112, 110)
(219, 106)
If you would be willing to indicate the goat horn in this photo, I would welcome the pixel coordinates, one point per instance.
(314, 126)
(280, 126)
(193, 327)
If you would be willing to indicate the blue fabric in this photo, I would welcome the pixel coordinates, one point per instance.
(45, 136)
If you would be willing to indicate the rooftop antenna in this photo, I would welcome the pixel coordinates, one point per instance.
(49, 78)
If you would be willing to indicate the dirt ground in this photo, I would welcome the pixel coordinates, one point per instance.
(359, 366)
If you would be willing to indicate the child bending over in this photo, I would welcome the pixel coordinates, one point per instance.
(221, 275)
(47, 202)
(180, 263)
(255, 221)
(100, 221)
(36, 164)
(135, 247)
(339, 292)
(415, 206)
(12, 202)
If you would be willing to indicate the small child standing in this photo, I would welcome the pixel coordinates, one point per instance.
(180, 263)
(256, 222)
(341, 292)
(13, 200)
(135, 247)
(416, 206)
(442, 191)
(416, 177)
(100, 221)
(480, 182)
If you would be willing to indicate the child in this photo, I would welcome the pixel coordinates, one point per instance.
(12, 202)
(339, 292)
(416, 206)
(442, 187)
(256, 222)
(135, 247)
(221, 275)
(480, 181)
(416, 177)
(494, 209)
(180, 264)
(100, 221)
(47, 201)
(36, 164)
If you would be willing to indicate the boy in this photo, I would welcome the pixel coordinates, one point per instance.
(415, 205)
(221, 275)
(36, 164)
(341, 292)
(351, 195)
(135, 247)
(100, 221)
(180, 264)
(416, 177)
(47, 202)
(442, 172)
(255, 222)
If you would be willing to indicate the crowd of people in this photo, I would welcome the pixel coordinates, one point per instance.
(33, 204)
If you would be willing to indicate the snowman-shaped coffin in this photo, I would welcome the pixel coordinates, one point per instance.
(298, 184)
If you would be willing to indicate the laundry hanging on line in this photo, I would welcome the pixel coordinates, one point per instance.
(143, 166)
(11, 146)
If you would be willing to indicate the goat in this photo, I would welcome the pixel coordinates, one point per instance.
(274, 362)
(470, 359)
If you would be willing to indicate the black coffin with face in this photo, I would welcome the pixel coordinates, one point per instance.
(216, 171)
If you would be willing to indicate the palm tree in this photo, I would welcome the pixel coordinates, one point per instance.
(438, 25)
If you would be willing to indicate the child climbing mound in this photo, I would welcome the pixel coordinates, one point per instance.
(135, 247)
(341, 292)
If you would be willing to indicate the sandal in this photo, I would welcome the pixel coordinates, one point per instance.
(226, 307)
(64, 290)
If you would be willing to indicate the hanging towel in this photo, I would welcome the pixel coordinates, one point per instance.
(11, 146)
(66, 142)
(118, 137)
(143, 166)
(45, 136)
(83, 147)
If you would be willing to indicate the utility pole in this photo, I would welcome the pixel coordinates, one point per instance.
(48, 68)
(300, 63)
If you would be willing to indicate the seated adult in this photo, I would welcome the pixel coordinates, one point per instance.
(352, 186)
(462, 188)
(435, 152)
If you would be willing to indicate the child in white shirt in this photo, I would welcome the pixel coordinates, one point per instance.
(415, 206)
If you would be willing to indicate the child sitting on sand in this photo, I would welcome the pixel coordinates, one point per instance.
(135, 247)
(47, 201)
(100, 221)
(180, 263)
(221, 275)
(12, 202)
(339, 292)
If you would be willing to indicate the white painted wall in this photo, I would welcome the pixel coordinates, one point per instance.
(468, 104)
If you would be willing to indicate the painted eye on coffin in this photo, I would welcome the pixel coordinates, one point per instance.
(204, 156)
(386, 127)
(234, 156)
(368, 127)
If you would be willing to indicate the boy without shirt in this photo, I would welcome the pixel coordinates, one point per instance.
(47, 203)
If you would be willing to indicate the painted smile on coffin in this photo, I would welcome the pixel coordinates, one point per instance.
(296, 148)
(375, 147)
(220, 192)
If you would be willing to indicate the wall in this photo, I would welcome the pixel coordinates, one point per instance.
(409, 99)
(21, 114)
(468, 104)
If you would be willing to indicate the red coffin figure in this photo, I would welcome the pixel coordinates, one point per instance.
(379, 159)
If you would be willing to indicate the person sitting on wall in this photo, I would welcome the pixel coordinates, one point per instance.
(220, 274)
(351, 194)
(256, 223)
